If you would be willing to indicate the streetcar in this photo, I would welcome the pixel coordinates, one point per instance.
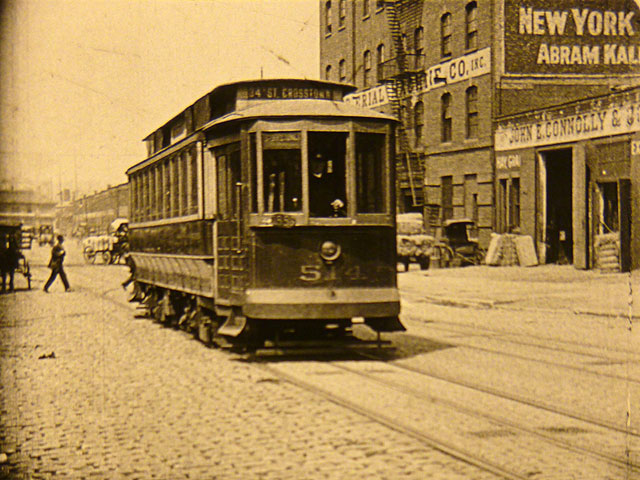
(264, 213)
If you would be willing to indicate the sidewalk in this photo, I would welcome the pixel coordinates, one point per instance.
(544, 288)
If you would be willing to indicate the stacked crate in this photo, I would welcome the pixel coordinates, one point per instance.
(607, 252)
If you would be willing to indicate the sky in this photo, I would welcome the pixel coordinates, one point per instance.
(82, 82)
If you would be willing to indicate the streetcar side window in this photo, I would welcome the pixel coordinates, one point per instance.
(281, 172)
(370, 173)
(327, 174)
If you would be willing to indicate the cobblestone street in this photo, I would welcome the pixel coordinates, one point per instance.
(89, 391)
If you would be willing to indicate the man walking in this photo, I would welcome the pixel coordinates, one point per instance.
(55, 264)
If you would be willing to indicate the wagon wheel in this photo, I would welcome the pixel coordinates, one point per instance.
(478, 257)
(446, 255)
(89, 255)
(106, 257)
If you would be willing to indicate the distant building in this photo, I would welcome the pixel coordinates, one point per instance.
(27, 207)
(94, 213)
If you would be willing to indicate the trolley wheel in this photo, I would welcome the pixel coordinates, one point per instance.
(106, 257)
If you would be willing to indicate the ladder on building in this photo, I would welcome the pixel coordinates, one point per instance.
(411, 160)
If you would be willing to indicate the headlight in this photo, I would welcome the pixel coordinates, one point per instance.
(330, 251)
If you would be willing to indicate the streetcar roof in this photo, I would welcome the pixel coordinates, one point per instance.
(231, 86)
(299, 108)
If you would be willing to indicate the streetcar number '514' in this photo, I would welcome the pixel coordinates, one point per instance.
(313, 273)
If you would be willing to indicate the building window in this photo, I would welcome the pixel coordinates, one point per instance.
(447, 197)
(380, 61)
(445, 35)
(418, 47)
(472, 112)
(327, 17)
(418, 122)
(471, 37)
(327, 72)
(342, 70)
(367, 68)
(446, 117)
(342, 13)
(366, 8)
(514, 204)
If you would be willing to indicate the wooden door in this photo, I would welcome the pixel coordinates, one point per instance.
(230, 246)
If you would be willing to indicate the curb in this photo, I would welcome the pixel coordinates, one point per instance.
(505, 305)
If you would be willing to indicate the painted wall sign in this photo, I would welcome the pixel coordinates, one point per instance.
(569, 125)
(591, 37)
(452, 71)
(373, 97)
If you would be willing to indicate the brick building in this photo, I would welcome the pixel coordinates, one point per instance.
(27, 207)
(450, 68)
(94, 213)
(578, 170)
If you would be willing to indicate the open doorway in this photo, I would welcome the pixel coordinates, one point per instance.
(557, 192)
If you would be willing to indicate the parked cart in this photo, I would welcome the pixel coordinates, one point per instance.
(109, 248)
(457, 247)
(11, 238)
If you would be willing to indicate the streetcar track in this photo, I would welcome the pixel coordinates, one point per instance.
(484, 389)
(537, 337)
(509, 396)
(602, 359)
(611, 459)
(488, 332)
(432, 441)
(426, 439)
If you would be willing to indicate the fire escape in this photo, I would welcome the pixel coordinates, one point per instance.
(402, 74)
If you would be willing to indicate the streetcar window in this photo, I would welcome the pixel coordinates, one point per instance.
(327, 184)
(166, 180)
(184, 184)
(229, 174)
(370, 173)
(282, 184)
(158, 199)
(223, 208)
(282, 172)
(253, 146)
(193, 194)
(174, 186)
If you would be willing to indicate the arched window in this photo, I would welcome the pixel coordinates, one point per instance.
(327, 72)
(327, 17)
(445, 117)
(418, 47)
(367, 68)
(445, 35)
(342, 13)
(342, 70)
(471, 35)
(472, 112)
(380, 61)
(418, 122)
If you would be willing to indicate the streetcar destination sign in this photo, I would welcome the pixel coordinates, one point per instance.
(280, 92)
